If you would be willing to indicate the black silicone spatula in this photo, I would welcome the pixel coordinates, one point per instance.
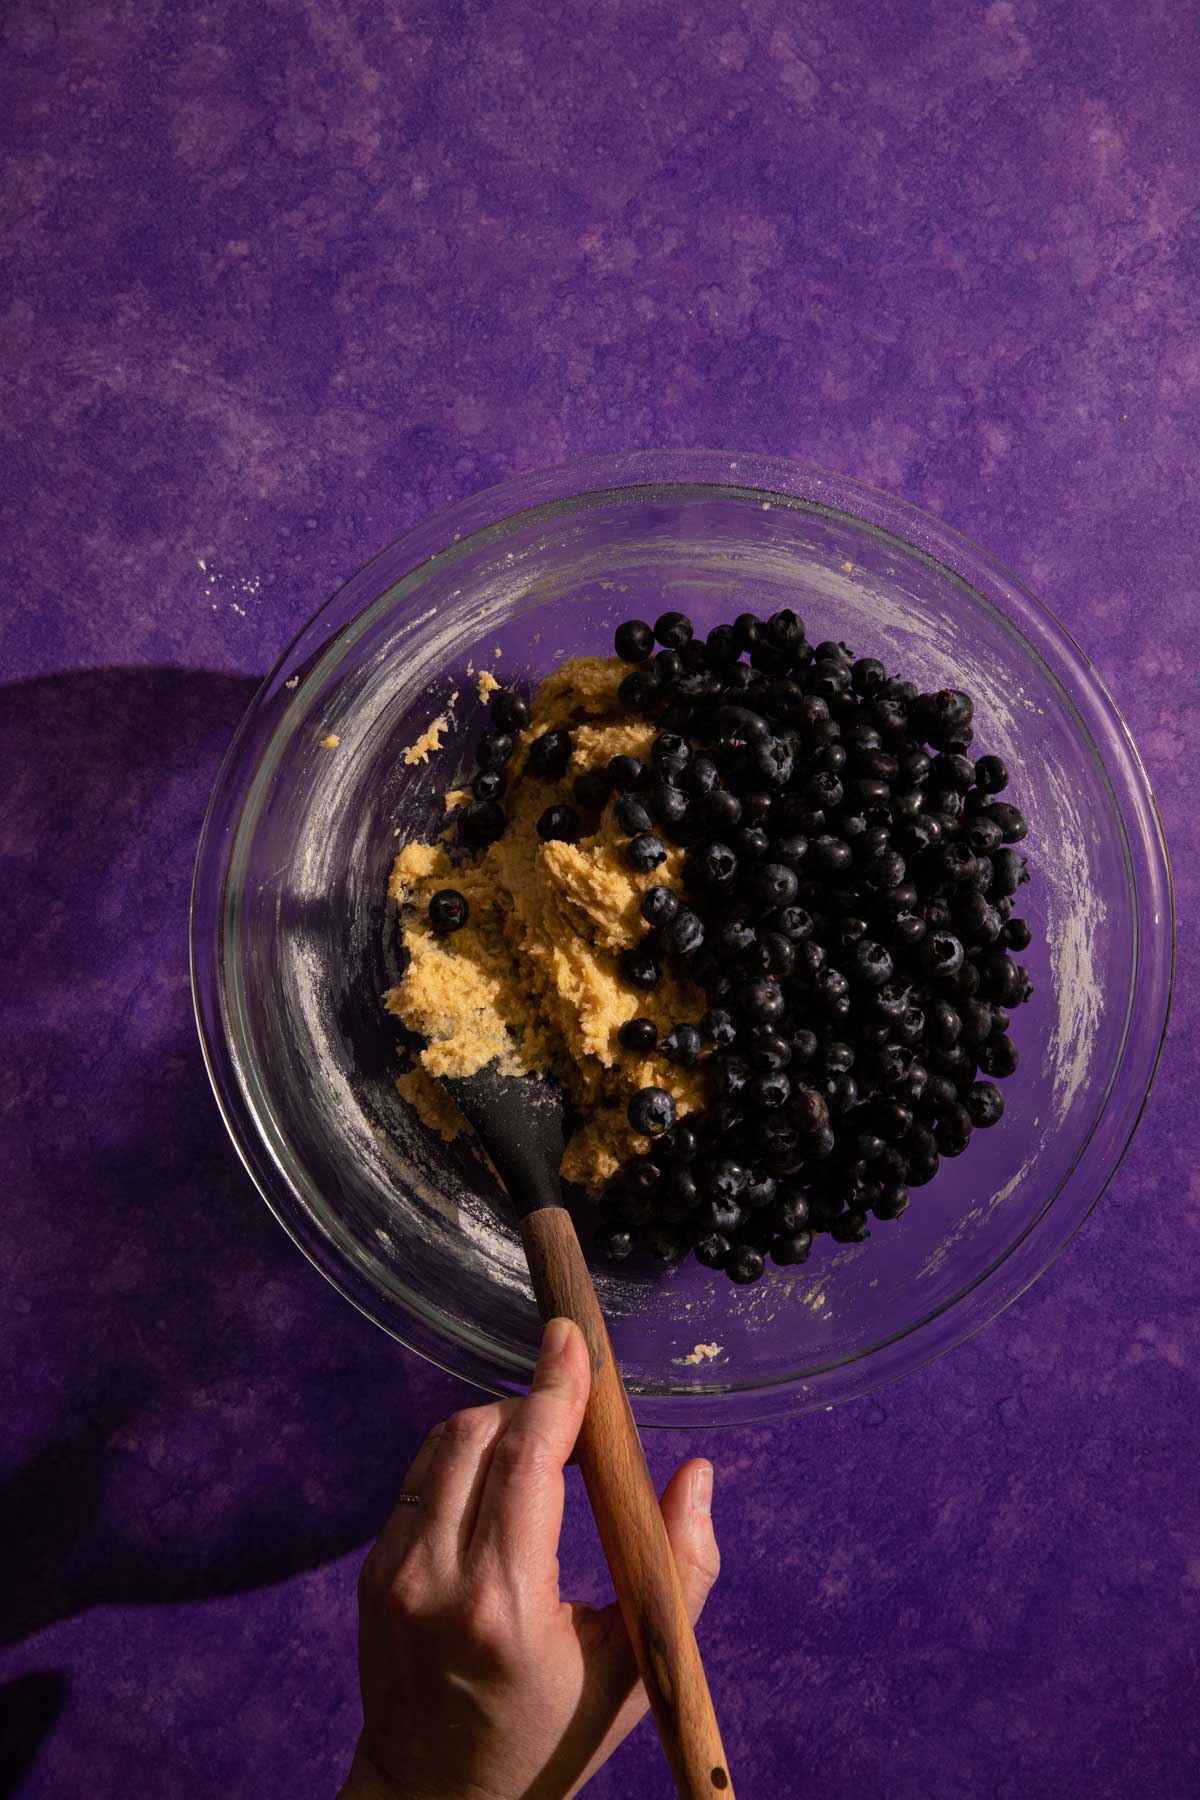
(519, 1121)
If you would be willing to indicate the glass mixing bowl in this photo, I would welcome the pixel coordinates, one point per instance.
(290, 934)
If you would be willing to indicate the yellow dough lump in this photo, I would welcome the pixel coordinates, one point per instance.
(531, 980)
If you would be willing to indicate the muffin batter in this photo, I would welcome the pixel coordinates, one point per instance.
(531, 981)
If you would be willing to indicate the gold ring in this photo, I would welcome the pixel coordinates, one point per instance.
(408, 1500)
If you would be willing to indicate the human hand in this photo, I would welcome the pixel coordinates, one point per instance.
(479, 1682)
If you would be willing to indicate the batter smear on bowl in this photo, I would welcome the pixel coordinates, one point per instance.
(753, 915)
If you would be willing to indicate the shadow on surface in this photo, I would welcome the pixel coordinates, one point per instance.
(190, 1409)
(29, 1709)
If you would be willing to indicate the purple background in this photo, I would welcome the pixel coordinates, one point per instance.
(282, 278)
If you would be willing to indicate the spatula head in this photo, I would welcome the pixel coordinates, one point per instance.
(519, 1121)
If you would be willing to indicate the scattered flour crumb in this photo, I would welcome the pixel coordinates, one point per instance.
(847, 568)
(331, 742)
(499, 651)
(470, 668)
(294, 682)
(428, 741)
(488, 683)
(698, 1355)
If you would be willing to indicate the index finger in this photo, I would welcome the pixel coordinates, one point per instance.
(521, 1508)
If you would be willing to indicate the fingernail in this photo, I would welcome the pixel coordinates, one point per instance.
(702, 1487)
(554, 1338)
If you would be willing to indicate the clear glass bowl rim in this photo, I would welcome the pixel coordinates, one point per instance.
(655, 474)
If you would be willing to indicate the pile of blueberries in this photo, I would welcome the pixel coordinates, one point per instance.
(847, 908)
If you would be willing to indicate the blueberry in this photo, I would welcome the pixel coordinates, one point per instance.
(731, 1072)
(668, 805)
(985, 1103)
(723, 1178)
(998, 1056)
(867, 676)
(640, 1035)
(1012, 822)
(748, 631)
(638, 967)
(941, 953)
(448, 910)
(908, 930)
(1016, 935)
(750, 843)
(627, 774)
(762, 1000)
(683, 1045)
(667, 1243)
(722, 646)
(644, 852)
(828, 856)
(892, 1201)
(772, 761)
(982, 835)
(718, 811)
(759, 1193)
(991, 775)
(509, 712)
(640, 691)
(774, 884)
(670, 753)
(591, 790)
(559, 822)
(1009, 870)
(716, 865)
(642, 1175)
(685, 933)
(550, 754)
(778, 953)
(651, 1111)
(719, 1027)
(713, 1249)
(659, 905)
(615, 1243)
(810, 959)
(481, 823)
(790, 849)
(488, 784)
(702, 775)
(976, 1019)
(634, 641)
(769, 1090)
(495, 748)
(809, 1110)
(953, 771)
(827, 678)
(633, 815)
(679, 1145)
(673, 630)
(785, 629)
(745, 1264)
(792, 1247)
(871, 963)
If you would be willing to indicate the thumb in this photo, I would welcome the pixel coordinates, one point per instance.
(687, 1515)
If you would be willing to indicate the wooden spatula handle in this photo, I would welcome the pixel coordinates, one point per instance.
(629, 1521)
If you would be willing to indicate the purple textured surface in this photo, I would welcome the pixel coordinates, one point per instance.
(280, 280)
